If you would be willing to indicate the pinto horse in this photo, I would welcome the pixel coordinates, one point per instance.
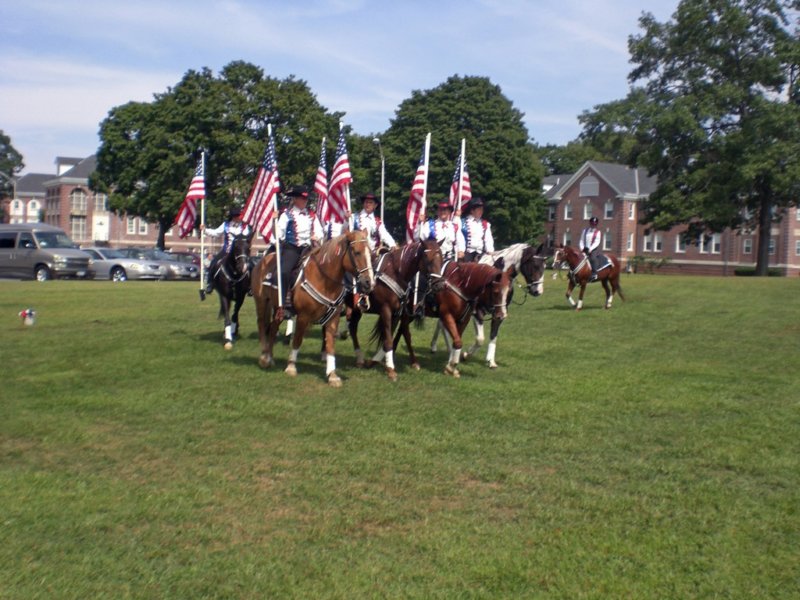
(394, 273)
(231, 280)
(466, 287)
(580, 271)
(318, 294)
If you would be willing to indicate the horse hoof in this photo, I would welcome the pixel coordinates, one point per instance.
(416, 366)
(334, 380)
(452, 370)
(361, 363)
(290, 370)
(343, 335)
(228, 345)
(368, 364)
(265, 362)
(434, 349)
(465, 355)
(392, 374)
(491, 364)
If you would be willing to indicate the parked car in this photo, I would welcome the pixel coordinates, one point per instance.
(40, 251)
(186, 257)
(112, 264)
(175, 269)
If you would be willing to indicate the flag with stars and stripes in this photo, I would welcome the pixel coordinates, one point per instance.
(339, 190)
(187, 215)
(261, 207)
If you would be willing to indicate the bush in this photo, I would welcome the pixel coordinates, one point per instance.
(751, 271)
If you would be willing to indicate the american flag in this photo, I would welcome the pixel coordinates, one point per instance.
(259, 211)
(197, 191)
(415, 210)
(466, 191)
(321, 186)
(340, 183)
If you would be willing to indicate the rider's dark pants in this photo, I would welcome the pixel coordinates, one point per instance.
(290, 257)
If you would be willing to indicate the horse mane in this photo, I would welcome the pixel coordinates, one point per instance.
(482, 274)
(511, 256)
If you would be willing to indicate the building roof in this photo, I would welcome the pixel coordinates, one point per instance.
(553, 183)
(626, 181)
(83, 169)
(32, 184)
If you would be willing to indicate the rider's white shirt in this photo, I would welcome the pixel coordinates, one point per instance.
(447, 233)
(364, 221)
(298, 227)
(477, 237)
(591, 238)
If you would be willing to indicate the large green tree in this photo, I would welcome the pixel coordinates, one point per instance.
(10, 163)
(716, 118)
(569, 157)
(148, 150)
(502, 164)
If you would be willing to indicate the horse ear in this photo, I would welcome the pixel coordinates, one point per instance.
(540, 249)
(500, 263)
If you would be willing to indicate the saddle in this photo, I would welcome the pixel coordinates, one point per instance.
(601, 262)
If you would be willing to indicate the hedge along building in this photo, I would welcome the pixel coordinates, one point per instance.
(615, 194)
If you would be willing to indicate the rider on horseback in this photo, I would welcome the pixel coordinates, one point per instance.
(229, 230)
(444, 230)
(366, 220)
(298, 230)
(477, 232)
(590, 243)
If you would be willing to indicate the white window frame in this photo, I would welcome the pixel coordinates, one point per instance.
(747, 246)
(632, 211)
(567, 238)
(716, 243)
(607, 240)
(100, 203)
(658, 243)
(551, 213)
(647, 243)
(587, 211)
(77, 201)
(131, 225)
(142, 229)
(629, 245)
(797, 247)
(680, 244)
(772, 246)
(568, 211)
(608, 210)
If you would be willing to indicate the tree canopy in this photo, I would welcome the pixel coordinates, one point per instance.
(10, 162)
(717, 116)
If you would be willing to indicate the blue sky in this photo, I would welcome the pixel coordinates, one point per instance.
(64, 64)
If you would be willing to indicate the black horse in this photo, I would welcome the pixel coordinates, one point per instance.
(230, 277)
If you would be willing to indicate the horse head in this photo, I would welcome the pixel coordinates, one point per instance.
(430, 263)
(240, 254)
(498, 293)
(532, 267)
(359, 257)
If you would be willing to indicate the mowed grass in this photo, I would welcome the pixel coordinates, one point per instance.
(650, 451)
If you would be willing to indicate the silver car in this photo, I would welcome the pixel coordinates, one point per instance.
(108, 263)
(175, 269)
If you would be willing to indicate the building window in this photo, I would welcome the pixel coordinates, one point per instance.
(716, 243)
(142, 227)
(16, 206)
(77, 225)
(77, 202)
(680, 244)
(587, 211)
(568, 211)
(567, 238)
(771, 247)
(629, 245)
(609, 210)
(607, 240)
(747, 246)
(131, 225)
(589, 187)
(797, 248)
(657, 243)
(551, 213)
(100, 203)
(710, 243)
(631, 212)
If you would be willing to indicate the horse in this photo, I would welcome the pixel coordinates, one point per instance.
(231, 280)
(318, 293)
(580, 272)
(394, 274)
(466, 287)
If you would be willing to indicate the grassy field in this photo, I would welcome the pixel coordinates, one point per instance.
(650, 451)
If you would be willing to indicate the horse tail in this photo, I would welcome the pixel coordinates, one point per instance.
(617, 279)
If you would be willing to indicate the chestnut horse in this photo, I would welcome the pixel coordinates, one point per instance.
(467, 287)
(318, 294)
(231, 280)
(580, 271)
(394, 273)
(520, 259)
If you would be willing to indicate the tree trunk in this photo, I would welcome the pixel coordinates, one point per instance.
(162, 232)
(764, 228)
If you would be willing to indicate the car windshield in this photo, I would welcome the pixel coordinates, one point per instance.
(54, 239)
(108, 253)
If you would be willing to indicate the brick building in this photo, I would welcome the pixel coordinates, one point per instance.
(614, 194)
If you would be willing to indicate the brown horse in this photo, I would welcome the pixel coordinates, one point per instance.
(580, 271)
(394, 272)
(318, 294)
(467, 287)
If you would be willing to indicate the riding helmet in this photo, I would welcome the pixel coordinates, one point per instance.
(593, 221)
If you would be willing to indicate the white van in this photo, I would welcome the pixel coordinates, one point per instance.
(40, 251)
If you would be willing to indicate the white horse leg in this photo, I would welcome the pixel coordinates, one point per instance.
(578, 306)
(490, 352)
(289, 328)
(330, 371)
(452, 365)
(436, 330)
(228, 337)
(479, 339)
(291, 368)
(390, 370)
(571, 300)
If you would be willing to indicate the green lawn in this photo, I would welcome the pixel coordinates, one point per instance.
(650, 451)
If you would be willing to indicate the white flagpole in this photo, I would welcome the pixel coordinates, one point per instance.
(425, 204)
(346, 187)
(203, 226)
(461, 174)
(275, 227)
